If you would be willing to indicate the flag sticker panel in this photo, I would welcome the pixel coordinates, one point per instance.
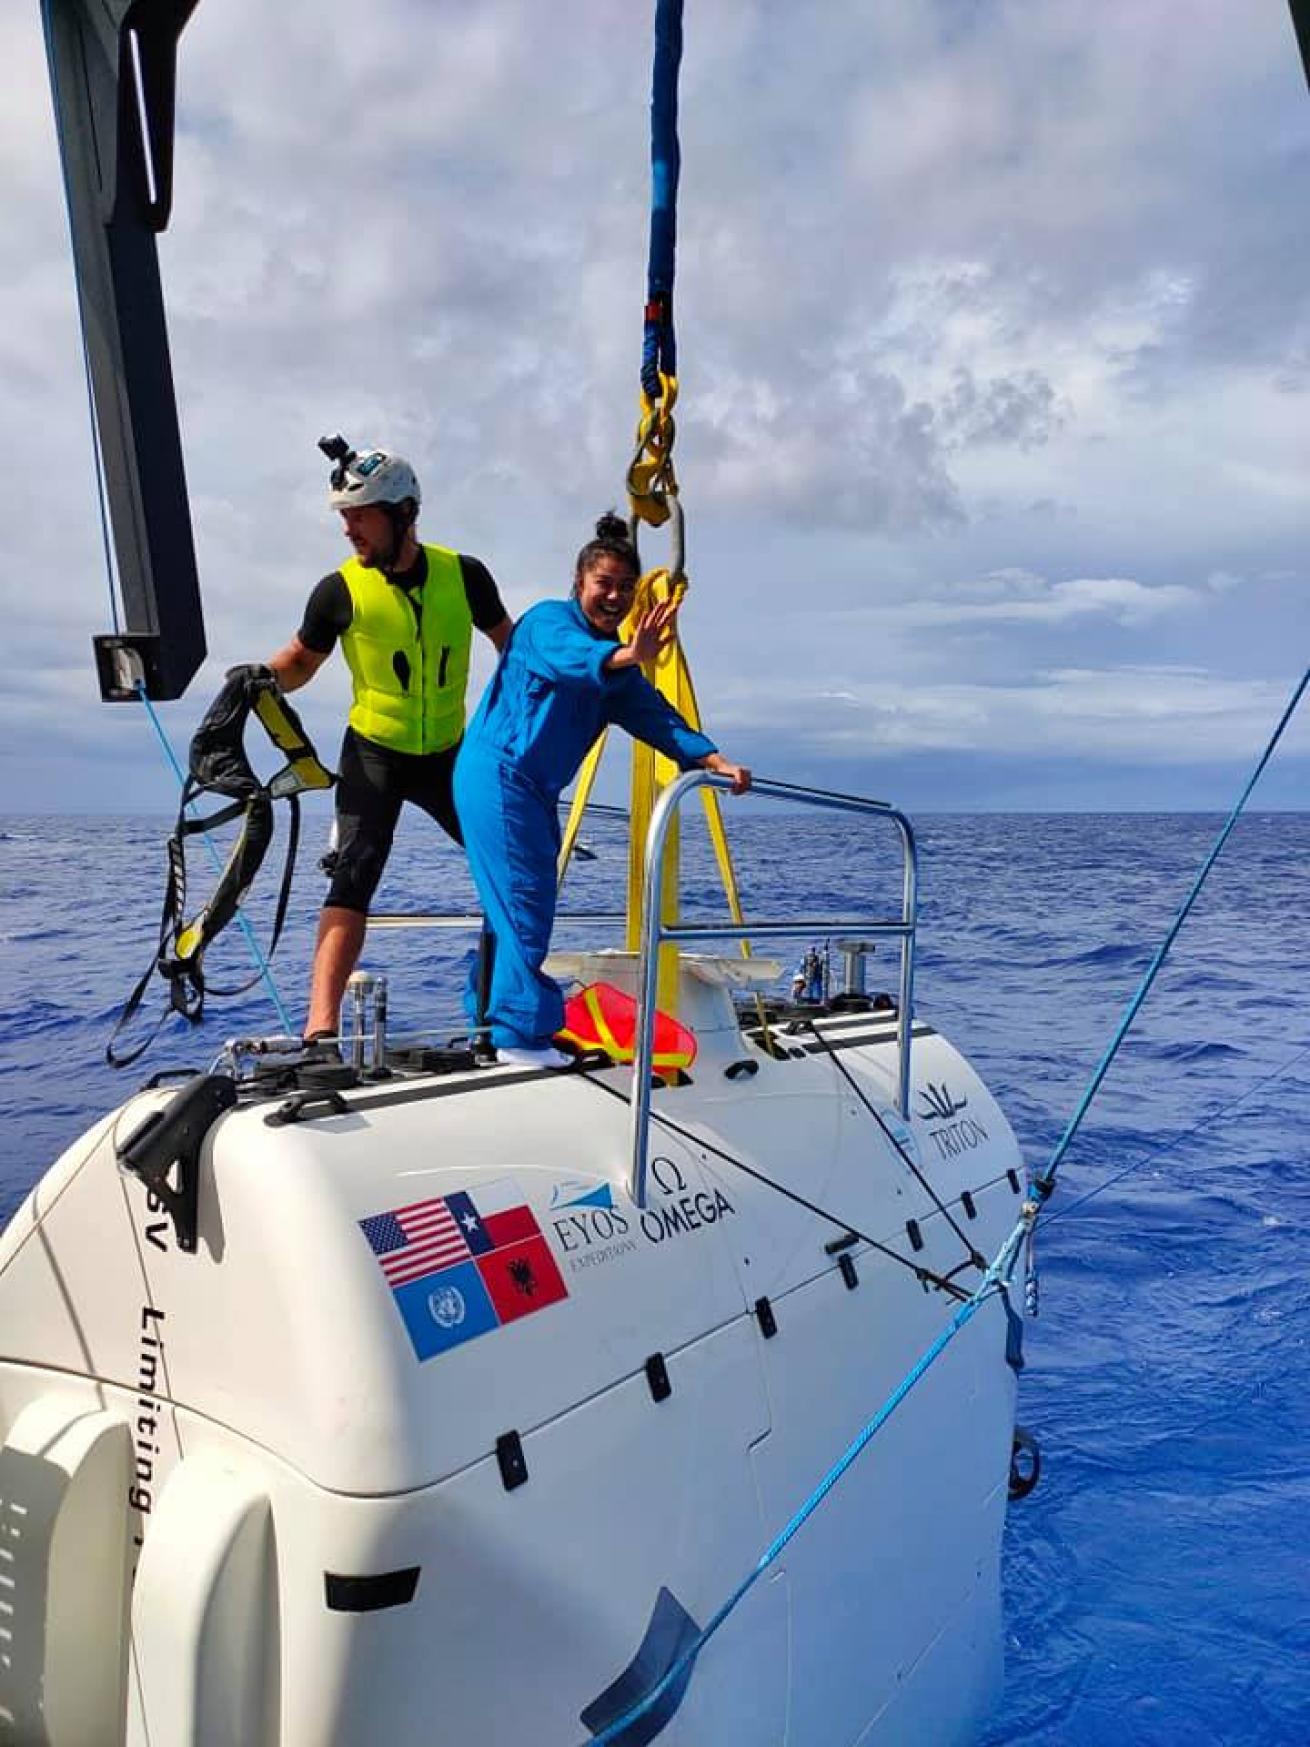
(521, 1278)
(446, 1309)
(459, 1268)
(412, 1241)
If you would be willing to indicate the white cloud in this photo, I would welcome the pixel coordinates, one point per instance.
(1159, 716)
(1024, 599)
(963, 293)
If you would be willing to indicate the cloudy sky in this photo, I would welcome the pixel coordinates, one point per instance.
(994, 321)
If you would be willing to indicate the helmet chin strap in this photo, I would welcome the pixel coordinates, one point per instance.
(402, 520)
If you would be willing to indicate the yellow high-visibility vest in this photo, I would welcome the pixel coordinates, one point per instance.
(409, 681)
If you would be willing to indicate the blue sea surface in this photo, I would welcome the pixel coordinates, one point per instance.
(1157, 1583)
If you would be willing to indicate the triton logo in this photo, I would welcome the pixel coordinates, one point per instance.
(939, 1104)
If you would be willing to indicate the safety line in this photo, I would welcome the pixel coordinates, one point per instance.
(925, 1276)
(98, 468)
(997, 1279)
(256, 951)
(97, 459)
(1044, 1180)
(1208, 1119)
(974, 1258)
(993, 1282)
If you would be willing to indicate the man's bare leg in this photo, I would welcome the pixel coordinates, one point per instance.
(340, 942)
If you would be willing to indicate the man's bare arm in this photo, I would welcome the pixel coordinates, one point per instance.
(295, 665)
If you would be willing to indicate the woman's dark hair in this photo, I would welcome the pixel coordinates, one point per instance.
(612, 541)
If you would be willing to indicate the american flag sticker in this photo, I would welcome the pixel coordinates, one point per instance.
(459, 1268)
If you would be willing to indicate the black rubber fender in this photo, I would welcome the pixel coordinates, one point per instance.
(1025, 1463)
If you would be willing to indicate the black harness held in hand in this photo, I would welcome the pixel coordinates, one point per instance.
(217, 764)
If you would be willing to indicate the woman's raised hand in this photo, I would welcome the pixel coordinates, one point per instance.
(653, 632)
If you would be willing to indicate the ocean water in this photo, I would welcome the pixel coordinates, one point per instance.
(1157, 1583)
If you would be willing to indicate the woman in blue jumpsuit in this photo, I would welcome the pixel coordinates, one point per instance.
(563, 676)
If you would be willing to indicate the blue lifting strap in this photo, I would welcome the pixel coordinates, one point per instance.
(659, 352)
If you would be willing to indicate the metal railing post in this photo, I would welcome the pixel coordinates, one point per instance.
(654, 934)
(905, 1002)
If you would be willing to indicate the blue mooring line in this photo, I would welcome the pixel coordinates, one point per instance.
(1045, 1178)
(97, 461)
(257, 952)
(1210, 1119)
(997, 1276)
(989, 1284)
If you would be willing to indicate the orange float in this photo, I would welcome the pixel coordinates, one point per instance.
(603, 1017)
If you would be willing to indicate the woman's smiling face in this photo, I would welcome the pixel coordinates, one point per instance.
(605, 590)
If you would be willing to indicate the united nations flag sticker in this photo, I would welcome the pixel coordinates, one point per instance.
(447, 1307)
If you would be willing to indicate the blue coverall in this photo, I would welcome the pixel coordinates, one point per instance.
(548, 700)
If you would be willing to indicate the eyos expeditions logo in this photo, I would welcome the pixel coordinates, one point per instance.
(594, 1228)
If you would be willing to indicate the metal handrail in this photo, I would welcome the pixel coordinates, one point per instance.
(654, 934)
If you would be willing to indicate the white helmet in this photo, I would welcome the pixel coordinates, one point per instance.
(372, 476)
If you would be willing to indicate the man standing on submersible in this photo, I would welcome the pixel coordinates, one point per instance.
(404, 613)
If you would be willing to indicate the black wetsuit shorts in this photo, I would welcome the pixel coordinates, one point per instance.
(374, 784)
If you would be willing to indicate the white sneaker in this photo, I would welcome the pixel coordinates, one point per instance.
(523, 1056)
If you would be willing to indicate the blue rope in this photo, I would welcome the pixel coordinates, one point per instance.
(1045, 1179)
(1205, 1123)
(256, 951)
(989, 1285)
(996, 1279)
(659, 350)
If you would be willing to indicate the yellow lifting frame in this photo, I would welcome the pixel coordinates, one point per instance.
(651, 484)
(651, 773)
